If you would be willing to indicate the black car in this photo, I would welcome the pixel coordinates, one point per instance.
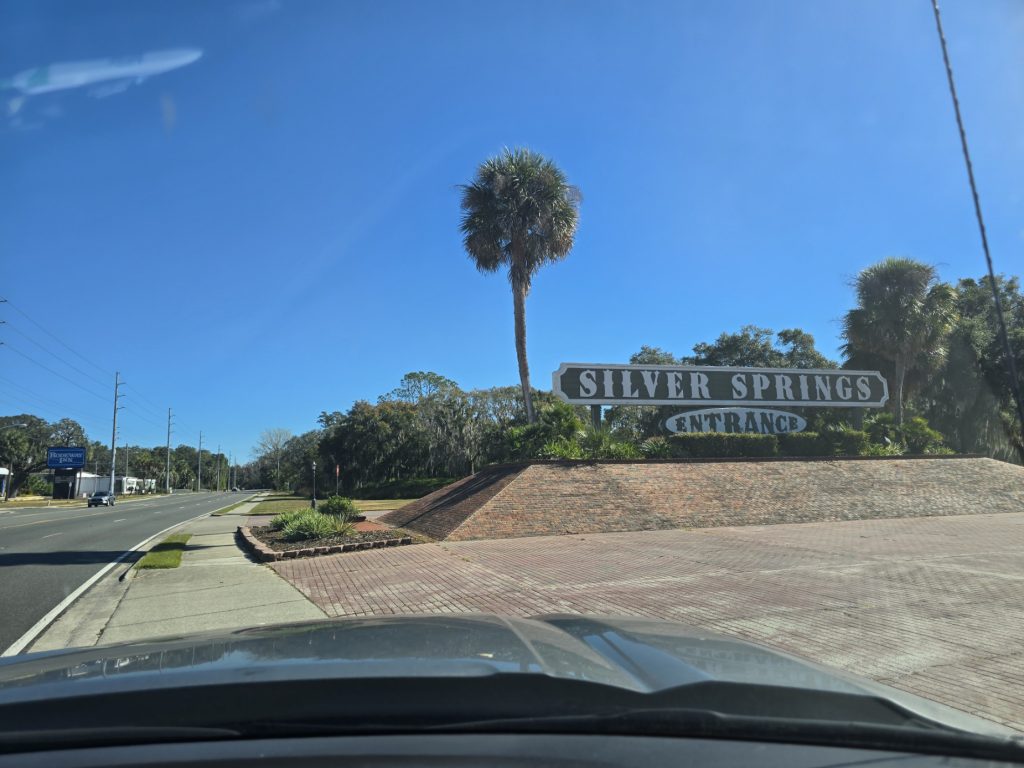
(561, 690)
(102, 498)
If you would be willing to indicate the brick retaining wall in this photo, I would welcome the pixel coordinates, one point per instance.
(601, 497)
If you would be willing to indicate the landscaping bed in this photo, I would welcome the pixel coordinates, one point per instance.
(276, 541)
(268, 545)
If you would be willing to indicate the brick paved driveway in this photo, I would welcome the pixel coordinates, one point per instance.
(934, 606)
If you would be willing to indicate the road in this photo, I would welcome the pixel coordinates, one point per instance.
(45, 554)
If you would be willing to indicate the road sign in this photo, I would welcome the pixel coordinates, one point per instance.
(757, 421)
(603, 384)
(65, 458)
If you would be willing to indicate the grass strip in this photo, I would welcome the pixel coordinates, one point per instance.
(377, 505)
(166, 554)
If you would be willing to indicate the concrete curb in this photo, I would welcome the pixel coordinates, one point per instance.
(265, 554)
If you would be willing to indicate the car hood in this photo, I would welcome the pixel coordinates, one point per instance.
(639, 655)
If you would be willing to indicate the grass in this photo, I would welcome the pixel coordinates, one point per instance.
(275, 505)
(377, 505)
(166, 554)
(278, 504)
(228, 510)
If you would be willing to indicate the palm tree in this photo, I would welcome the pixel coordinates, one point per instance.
(519, 212)
(903, 317)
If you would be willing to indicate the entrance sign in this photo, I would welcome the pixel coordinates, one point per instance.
(603, 384)
(65, 458)
(758, 421)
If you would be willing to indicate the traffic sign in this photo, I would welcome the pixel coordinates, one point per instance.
(65, 458)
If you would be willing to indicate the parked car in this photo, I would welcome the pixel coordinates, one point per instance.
(102, 498)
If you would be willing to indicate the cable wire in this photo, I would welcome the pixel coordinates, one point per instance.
(7, 345)
(1011, 365)
(49, 351)
(22, 312)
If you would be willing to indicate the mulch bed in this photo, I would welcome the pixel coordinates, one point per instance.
(275, 539)
(268, 545)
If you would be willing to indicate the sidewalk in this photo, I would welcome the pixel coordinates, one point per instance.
(216, 587)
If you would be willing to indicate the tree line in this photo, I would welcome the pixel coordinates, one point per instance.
(24, 439)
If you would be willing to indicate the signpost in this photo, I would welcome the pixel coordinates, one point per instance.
(702, 386)
(65, 458)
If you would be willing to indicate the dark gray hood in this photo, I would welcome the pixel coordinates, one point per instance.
(635, 654)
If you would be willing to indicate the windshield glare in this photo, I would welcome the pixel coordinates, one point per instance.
(706, 313)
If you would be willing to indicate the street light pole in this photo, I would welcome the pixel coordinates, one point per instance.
(314, 486)
(199, 465)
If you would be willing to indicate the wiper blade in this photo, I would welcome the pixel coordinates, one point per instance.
(686, 723)
(67, 738)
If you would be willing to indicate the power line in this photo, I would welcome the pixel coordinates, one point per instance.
(1011, 365)
(45, 401)
(7, 345)
(151, 404)
(21, 312)
(49, 351)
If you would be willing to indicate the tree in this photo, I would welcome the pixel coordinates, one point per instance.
(757, 347)
(270, 445)
(23, 444)
(520, 212)
(903, 316)
(417, 385)
(970, 399)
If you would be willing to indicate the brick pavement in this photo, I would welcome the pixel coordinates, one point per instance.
(934, 605)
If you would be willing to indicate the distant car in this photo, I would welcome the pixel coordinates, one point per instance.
(234, 490)
(102, 498)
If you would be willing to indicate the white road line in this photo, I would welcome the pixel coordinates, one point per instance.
(59, 533)
(121, 520)
(22, 642)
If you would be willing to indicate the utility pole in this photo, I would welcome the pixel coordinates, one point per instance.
(113, 432)
(218, 468)
(199, 462)
(313, 504)
(167, 473)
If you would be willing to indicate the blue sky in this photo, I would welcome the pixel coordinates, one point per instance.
(272, 230)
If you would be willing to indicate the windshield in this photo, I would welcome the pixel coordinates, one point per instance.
(665, 310)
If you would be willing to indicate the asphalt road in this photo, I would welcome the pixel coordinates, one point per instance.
(45, 554)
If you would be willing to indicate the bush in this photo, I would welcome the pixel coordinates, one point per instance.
(310, 524)
(915, 435)
(656, 448)
(804, 444)
(280, 521)
(338, 507)
(873, 449)
(848, 442)
(413, 488)
(920, 438)
(561, 448)
(723, 445)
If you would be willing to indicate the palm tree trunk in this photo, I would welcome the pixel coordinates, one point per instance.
(901, 374)
(519, 305)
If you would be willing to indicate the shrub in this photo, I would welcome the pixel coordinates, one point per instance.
(561, 448)
(848, 442)
(656, 448)
(873, 449)
(280, 521)
(919, 437)
(804, 444)
(338, 507)
(311, 524)
(723, 445)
